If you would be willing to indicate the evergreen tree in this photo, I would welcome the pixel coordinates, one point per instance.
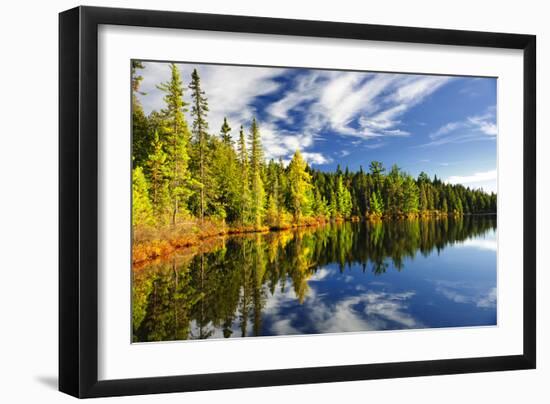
(200, 127)
(423, 198)
(226, 188)
(376, 204)
(236, 184)
(333, 206)
(257, 184)
(300, 186)
(245, 199)
(225, 132)
(394, 190)
(444, 206)
(158, 177)
(410, 196)
(142, 212)
(343, 199)
(140, 132)
(176, 133)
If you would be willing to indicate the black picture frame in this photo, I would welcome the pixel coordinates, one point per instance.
(78, 201)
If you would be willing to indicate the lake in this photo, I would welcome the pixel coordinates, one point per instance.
(340, 277)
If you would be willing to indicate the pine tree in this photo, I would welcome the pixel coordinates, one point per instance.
(200, 127)
(394, 189)
(176, 133)
(410, 196)
(225, 132)
(245, 197)
(274, 208)
(158, 177)
(321, 207)
(376, 204)
(142, 211)
(257, 185)
(140, 133)
(423, 200)
(333, 206)
(343, 198)
(300, 185)
(224, 190)
(444, 206)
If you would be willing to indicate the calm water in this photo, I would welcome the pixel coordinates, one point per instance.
(340, 277)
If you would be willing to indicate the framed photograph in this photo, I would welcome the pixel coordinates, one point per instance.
(251, 201)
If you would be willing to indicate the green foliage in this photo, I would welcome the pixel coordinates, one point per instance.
(200, 127)
(142, 211)
(376, 204)
(343, 199)
(410, 196)
(300, 186)
(182, 172)
(159, 176)
(140, 131)
(245, 199)
(256, 167)
(225, 132)
(177, 136)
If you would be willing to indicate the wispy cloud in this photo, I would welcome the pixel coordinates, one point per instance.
(366, 311)
(484, 176)
(231, 90)
(343, 153)
(316, 158)
(364, 105)
(479, 243)
(472, 128)
(465, 293)
(375, 145)
(367, 106)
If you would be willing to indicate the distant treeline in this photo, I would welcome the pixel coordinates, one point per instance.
(185, 172)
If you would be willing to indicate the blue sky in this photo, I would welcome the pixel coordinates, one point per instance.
(438, 124)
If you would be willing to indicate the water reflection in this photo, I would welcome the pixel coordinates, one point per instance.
(336, 278)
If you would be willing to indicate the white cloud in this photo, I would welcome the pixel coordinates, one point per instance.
(489, 300)
(230, 89)
(417, 87)
(479, 243)
(473, 128)
(484, 176)
(367, 311)
(319, 275)
(316, 158)
(465, 293)
(379, 311)
(283, 326)
(343, 153)
(446, 129)
(484, 124)
(375, 145)
(363, 105)
(305, 89)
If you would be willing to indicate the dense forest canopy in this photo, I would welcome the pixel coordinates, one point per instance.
(189, 171)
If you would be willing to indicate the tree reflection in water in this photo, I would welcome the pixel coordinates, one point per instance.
(221, 288)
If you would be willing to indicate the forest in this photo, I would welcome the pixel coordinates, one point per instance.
(190, 181)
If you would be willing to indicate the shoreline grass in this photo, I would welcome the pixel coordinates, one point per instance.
(150, 243)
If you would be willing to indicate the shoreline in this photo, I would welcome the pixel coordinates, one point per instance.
(149, 250)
